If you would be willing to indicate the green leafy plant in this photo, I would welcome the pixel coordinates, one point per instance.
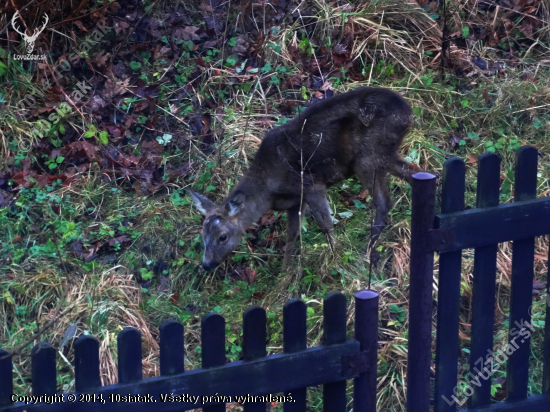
(53, 163)
(164, 139)
(135, 66)
(305, 46)
(91, 132)
(399, 313)
(104, 137)
(146, 274)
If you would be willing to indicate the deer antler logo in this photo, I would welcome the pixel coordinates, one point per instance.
(28, 39)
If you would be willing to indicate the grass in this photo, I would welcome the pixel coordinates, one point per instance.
(99, 246)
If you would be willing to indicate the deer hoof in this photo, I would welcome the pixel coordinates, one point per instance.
(286, 263)
(331, 242)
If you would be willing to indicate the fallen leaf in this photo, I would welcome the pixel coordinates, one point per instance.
(120, 239)
(269, 218)
(538, 287)
(363, 195)
(250, 275)
(5, 199)
(163, 288)
(186, 33)
(162, 52)
(479, 62)
(101, 59)
(485, 96)
(175, 297)
(79, 24)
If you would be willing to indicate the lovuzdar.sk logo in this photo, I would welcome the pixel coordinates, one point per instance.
(28, 39)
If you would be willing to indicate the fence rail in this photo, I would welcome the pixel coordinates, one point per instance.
(330, 365)
(481, 228)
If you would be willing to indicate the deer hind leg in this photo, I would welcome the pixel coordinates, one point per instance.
(318, 204)
(293, 229)
(375, 182)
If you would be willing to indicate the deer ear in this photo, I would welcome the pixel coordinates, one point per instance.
(204, 205)
(235, 204)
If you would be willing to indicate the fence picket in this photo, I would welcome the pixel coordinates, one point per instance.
(129, 356)
(213, 350)
(546, 354)
(448, 301)
(484, 284)
(420, 293)
(86, 368)
(366, 333)
(6, 377)
(334, 315)
(254, 345)
(522, 280)
(295, 340)
(171, 348)
(43, 369)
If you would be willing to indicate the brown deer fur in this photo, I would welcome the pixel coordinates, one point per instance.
(358, 132)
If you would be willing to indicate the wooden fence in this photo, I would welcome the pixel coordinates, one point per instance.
(339, 359)
(288, 374)
(482, 228)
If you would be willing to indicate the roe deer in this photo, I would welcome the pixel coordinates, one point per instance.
(358, 132)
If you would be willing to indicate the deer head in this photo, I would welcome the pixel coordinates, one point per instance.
(223, 227)
(29, 40)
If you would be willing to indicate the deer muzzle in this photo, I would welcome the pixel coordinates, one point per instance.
(209, 265)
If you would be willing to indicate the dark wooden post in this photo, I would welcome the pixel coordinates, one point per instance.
(171, 348)
(546, 363)
(6, 378)
(129, 356)
(86, 364)
(334, 315)
(420, 299)
(43, 369)
(448, 299)
(294, 340)
(484, 284)
(521, 296)
(254, 345)
(366, 333)
(213, 350)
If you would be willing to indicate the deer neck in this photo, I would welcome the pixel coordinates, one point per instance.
(257, 200)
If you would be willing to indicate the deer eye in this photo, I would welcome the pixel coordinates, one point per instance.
(223, 238)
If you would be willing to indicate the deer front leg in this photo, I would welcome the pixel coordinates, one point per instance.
(382, 205)
(293, 229)
(402, 169)
(318, 204)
